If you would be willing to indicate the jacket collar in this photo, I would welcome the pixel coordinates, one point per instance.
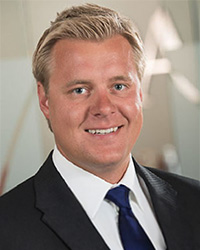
(62, 212)
(167, 208)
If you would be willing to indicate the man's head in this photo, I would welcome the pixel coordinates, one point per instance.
(87, 22)
(93, 98)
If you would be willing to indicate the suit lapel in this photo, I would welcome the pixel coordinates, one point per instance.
(63, 213)
(166, 206)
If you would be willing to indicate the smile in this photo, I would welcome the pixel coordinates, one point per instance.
(102, 131)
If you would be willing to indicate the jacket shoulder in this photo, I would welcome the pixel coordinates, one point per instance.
(17, 200)
(23, 193)
(179, 182)
(187, 191)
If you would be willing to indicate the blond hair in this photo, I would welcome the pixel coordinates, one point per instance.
(85, 22)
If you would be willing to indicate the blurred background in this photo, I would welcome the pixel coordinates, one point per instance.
(170, 137)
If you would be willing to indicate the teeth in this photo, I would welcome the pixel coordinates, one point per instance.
(115, 129)
(103, 131)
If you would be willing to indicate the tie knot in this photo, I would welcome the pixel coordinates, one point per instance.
(119, 196)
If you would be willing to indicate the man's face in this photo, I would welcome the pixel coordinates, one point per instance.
(94, 102)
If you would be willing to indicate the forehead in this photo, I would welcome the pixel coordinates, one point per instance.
(117, 46)
(72, 58)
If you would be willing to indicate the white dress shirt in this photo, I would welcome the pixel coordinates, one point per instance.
(90, 191)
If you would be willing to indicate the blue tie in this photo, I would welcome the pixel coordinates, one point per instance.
(132, 234)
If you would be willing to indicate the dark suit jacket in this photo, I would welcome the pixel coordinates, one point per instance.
(42, 213)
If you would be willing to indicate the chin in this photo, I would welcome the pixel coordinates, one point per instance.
(109, 160)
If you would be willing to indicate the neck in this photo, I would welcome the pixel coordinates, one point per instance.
(112, 174)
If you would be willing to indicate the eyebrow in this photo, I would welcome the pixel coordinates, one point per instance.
(120, 78)
(77, 82)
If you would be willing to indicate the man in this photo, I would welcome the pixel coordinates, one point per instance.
(88, 66)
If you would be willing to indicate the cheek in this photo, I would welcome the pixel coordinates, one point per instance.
(75, 114)
(133, 107)
(64, 115)
(135, 121)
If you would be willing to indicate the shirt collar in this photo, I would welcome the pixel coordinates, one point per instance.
(89, 189)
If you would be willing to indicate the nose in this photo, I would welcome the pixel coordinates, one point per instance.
(102, 104)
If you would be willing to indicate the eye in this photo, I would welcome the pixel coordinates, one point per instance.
(119, 86)
(79, 91)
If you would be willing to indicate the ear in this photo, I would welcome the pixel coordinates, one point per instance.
(43, 100)
(141, 95)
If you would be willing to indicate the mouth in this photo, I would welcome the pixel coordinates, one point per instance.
(103, 131)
